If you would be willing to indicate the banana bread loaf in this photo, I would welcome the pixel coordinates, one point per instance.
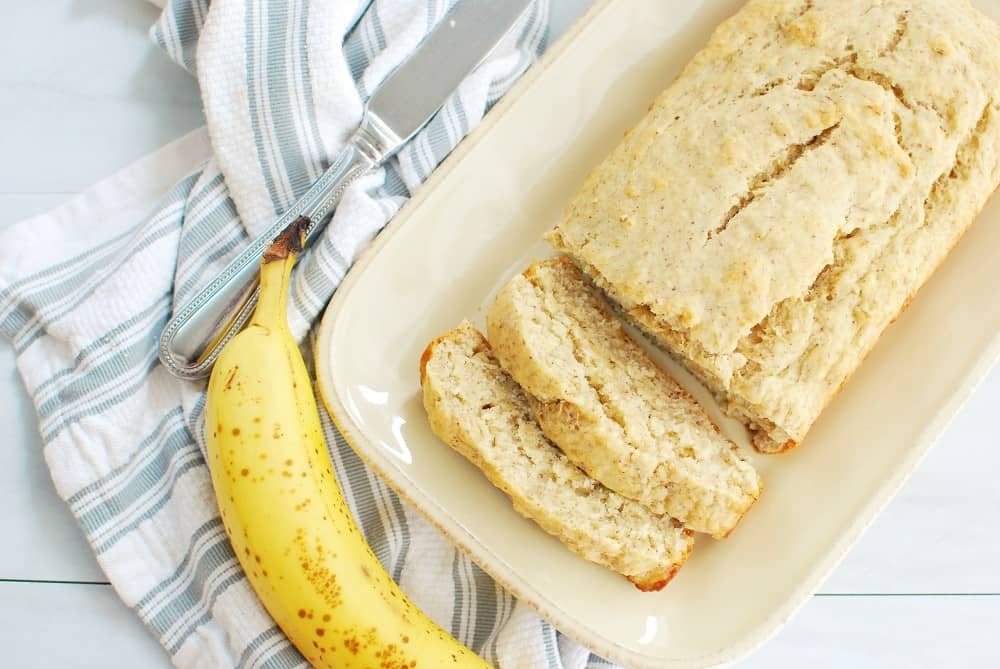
(787, 195)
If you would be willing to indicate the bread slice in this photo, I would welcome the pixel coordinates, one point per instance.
(787, 195)
(606, 404)
(475, 407)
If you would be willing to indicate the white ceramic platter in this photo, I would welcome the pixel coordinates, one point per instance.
(479, 220)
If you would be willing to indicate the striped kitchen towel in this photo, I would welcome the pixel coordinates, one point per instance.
(83, 299)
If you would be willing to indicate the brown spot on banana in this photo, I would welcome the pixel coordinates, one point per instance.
(232, 375)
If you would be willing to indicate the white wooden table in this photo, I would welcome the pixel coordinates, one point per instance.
(83, 92)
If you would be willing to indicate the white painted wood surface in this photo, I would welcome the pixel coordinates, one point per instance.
(72, 625)
(83, 92)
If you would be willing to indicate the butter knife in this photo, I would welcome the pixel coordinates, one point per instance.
(398, 109)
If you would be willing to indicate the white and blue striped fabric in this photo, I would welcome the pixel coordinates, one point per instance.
(283, 84)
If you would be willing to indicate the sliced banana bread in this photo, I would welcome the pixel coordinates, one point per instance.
(475, 407)
(606, 404)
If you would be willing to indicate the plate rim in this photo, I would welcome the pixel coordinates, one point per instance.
(481, 553)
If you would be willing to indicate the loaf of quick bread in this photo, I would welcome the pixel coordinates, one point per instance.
(601, 399)
(787, 195)
(476, 408)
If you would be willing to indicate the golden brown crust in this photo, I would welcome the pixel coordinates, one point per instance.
(426, 356)
(655, 583)
(763, 444)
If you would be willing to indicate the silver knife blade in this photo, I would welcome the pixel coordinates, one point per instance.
(417, 89)
(407, 99)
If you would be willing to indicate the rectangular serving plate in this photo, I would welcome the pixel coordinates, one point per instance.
(479, 220)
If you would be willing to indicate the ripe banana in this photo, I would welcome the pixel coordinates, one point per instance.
(284, 512)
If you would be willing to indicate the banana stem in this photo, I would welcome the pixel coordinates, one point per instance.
(275, 275)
